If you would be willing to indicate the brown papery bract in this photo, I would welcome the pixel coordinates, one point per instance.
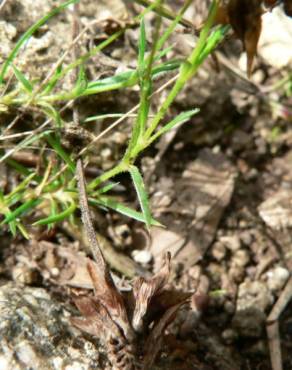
(245, 18)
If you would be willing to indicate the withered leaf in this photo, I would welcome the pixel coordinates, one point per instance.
(96, 320)
(288, 7)
(145, 289)
(245, 18)
(155, 339)
(107, 293)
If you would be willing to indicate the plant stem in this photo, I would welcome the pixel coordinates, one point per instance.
(121, 167)
(188, 69)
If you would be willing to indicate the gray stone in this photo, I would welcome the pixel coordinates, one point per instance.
(35, 333)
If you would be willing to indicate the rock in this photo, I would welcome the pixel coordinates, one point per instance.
(253, 295)
(277, 278)
(218, 251)
(231, 242)
(241, 258)
(276, 211)
(143, 257)
(246, 238)
(273, 46)
(35, 333)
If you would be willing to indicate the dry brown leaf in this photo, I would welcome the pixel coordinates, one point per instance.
(245, 18)
(144, 290)
(107, 293)
(288, 7)
(155, 339)
(96, 320)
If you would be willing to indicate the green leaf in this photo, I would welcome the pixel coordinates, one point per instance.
(163, 52)
(53, 81)
(52, 113)
(122, 209)
(213, 40)
(124, 79)
(22, 79)
(178, 120)
(25, 207)
(25, 37)
(81, 83)
(56, 217)
(107, 187)
(141, 193)
(22, 229)
(55, 144)
(103, 116)
(20, 187)
(142, 47)
(12, 227)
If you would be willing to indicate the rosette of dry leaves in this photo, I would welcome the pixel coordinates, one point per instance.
(132, 324)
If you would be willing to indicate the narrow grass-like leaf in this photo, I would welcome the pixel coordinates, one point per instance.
(121, 80)
(141, 193)
(163, 11)
(56, 217)
(22, 229)
(213, 40)
(178, 120)
(18, 167)
(52, 113)
(107, 187)
(12, 227)
(29, 33)
(163, 52)
(53, 81)
(20, 187)
(103, 116)
(55, 144)
(81, 82)
(21, 210)
(22, 79)
(111, 203)
(142, 48)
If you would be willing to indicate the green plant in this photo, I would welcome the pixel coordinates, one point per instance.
(54, 191)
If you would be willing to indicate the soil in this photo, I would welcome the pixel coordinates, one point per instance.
(221, 184)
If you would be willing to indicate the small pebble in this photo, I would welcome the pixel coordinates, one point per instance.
(241, 258)
(143, 257)
(218, 251)
(253, 294)
(231, 242)
(236, 273)
(277, 278)
(246, 238)
(55, 272)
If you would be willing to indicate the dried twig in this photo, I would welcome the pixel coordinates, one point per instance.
(96, 251)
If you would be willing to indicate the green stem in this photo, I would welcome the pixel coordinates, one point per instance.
(121, 167)
(188, 69)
